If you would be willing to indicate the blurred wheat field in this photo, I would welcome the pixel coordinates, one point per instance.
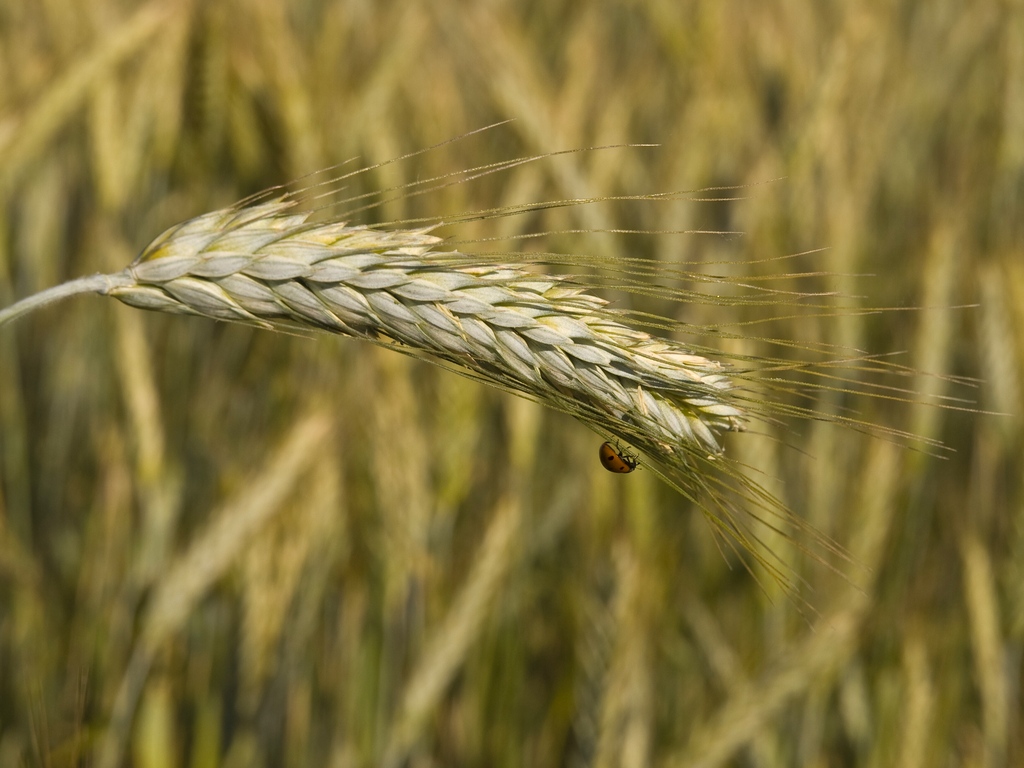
(220, 545)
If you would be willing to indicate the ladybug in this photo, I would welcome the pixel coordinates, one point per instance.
(615, 460)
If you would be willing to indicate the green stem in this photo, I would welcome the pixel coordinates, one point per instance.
(90, 284)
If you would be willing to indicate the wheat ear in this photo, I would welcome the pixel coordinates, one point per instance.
(545, 337)
(268, 262)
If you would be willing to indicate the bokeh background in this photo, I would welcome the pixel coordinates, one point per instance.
(222, 546)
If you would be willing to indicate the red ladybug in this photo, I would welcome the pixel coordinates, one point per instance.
(614, 460)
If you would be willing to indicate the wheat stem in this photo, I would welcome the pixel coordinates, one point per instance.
(90, 284)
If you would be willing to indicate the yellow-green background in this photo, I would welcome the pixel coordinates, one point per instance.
(225, 546)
